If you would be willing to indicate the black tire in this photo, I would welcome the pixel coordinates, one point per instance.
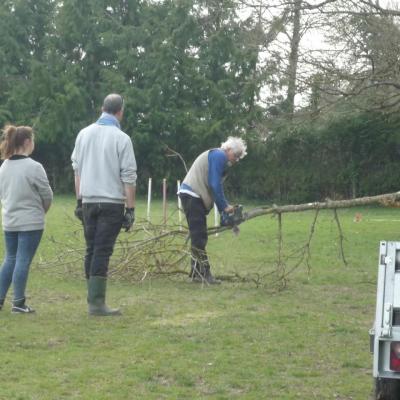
(387, 389)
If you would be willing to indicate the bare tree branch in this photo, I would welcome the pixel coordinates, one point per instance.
(341, 237)
(172, 153)
(329, 204)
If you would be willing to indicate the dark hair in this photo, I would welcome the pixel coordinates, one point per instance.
(13, 139)
(113, 103)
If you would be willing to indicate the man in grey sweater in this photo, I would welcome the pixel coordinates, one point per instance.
(105, 184)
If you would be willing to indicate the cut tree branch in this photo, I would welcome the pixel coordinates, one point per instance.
(385, 199)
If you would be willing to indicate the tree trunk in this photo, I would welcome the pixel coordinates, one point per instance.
(293, 58)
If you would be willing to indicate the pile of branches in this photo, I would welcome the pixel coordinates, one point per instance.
(164, 251)
(147, 250)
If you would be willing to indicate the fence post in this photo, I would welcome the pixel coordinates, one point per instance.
(148, 200)
(178, 185)
(165, 201)
(216, 214)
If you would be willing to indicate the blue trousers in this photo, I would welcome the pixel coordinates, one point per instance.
(20, 250)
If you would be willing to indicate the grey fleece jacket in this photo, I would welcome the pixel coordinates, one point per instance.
(25, 194)
(104, 160)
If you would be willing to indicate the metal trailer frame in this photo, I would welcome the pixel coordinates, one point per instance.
(386, 328)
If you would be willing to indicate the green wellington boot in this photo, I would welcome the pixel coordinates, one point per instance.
(97, 286)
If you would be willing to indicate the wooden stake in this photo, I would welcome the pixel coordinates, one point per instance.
(178, 185)
(165, 201)
(148, 200)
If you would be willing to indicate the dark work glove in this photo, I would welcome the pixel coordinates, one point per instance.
(129, 219)
(79, 210)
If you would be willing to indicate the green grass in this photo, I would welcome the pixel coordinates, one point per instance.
(177, 340)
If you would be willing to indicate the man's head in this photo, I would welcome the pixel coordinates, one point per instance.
(114, 104)
(235, 148)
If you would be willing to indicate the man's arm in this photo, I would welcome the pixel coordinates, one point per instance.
(78, 209)
(128, 171)
(77, 185)
(130, 201)
(130, 193)
(128, 178)
(216, 166)
(74, 158)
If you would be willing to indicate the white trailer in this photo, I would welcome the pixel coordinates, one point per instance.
(385, 334)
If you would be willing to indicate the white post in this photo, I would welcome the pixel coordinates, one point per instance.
(216, 215)
(148, 200)
(165, 200)
(178, 185)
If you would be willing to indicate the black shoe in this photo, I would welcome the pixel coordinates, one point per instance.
(196, 279)
(23, 309)
(211, 280)
(207, 279)
(1, 304)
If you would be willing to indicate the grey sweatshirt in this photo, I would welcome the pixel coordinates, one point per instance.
(104, 160)
(25, 194)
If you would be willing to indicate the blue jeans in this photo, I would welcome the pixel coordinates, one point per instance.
(20, 250)
(102, 223)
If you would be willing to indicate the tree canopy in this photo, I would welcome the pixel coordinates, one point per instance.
(318, 121)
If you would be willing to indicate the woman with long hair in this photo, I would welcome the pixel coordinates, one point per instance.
(25, 196)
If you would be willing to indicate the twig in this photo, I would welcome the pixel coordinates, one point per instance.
(341, 237)
(173, 153)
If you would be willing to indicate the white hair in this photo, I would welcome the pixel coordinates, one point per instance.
(236, 144)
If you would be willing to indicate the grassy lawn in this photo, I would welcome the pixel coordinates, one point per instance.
(178, 340)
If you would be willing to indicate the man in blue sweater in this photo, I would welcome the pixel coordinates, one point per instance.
(201, 188)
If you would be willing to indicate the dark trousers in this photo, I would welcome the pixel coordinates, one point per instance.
(102, 223)
(196, 216)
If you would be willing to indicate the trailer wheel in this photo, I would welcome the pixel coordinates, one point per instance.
(387, 389)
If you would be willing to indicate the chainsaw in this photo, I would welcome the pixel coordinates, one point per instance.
(232, 218)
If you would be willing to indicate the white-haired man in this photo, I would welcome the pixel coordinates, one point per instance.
(201, 188)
